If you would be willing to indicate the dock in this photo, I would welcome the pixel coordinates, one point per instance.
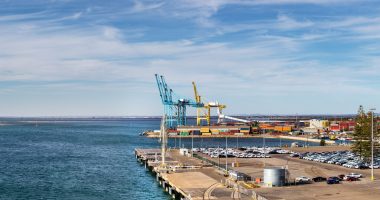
(188, 178)
(195, 178)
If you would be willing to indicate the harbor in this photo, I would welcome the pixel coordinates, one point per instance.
(199, 176)
(190, 100)
(289, 157)
(210, 121)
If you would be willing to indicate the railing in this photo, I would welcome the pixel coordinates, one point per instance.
(218, 165)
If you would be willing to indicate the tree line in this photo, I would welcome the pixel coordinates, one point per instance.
(363, 134)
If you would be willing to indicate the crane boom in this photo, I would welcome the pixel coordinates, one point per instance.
(197, 97)
(233, 118)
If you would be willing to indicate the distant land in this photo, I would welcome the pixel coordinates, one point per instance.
(113, 118)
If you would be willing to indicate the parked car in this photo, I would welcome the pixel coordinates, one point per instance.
(303, 179)
(319, 179)
(351, 178)
(294, 155)
(354, 175)
(345, 158)
(333, 180)
(341, 176)
(375, 166)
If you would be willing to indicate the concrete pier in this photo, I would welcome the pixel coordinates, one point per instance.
(187, 178)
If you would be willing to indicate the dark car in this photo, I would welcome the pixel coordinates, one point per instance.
(333, 180)
(350, 178)
(341, 176)
(319, 179)
(294, 155)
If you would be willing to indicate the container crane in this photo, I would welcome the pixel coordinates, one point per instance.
(205, 112)
(202, 114)
(174, 109)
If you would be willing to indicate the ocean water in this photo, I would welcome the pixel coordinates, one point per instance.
(84, 159)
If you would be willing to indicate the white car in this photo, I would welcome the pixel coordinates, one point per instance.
(355, 175)
(303, 179)
(374, 166)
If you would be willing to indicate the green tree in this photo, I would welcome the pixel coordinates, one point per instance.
(322, 142)
(362, 134)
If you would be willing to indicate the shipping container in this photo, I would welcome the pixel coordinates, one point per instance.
(184, 133)
(206, 134)
(287, 128)
(205, 130)
(335, 127)
(226, 133)
(214, 131)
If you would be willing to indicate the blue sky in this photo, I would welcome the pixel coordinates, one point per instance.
(92, 57)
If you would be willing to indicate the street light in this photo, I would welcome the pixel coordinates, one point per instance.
(192, 144)
(226, 156)
(372, 177)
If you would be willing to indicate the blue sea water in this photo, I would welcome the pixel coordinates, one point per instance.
(84, 159)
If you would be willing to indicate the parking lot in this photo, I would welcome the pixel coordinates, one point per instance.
(344, 158)
(243, 152)
(310, 169)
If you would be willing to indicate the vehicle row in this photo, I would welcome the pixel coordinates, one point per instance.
(344, 158)
(243, 152)
(330, 180)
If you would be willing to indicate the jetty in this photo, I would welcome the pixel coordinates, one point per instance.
(188, 177)
(196, 176)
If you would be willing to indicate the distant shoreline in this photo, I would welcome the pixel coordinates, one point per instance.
(189, 116)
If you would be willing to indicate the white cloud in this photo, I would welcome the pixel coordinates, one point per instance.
(139, 6)
(266, 65)
(287, 23)
(74, 16)
(98, 54)
(111, 32)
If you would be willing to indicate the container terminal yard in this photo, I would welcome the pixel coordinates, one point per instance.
(256, 172)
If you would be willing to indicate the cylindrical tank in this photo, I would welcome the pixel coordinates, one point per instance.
(274, 177)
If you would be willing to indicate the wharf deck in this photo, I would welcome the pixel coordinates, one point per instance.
(187, 176)
(147, 152)
(193, 179)
(194, 184)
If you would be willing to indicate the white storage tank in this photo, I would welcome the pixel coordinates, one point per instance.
(274, 176)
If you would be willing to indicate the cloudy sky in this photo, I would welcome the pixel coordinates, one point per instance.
(96, 57)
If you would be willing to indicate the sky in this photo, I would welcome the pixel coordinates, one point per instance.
(98, 58)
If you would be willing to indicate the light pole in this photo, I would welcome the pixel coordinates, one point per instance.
(226, 157)
(192, 144)
(180, 141)
(264, 146)
(219, 156)
(372, 177)
(237, 147)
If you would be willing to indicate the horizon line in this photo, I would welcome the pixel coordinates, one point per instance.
(155, 116)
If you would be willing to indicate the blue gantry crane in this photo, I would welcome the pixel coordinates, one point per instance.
(174, 109)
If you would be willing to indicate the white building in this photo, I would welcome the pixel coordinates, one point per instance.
(319, 124)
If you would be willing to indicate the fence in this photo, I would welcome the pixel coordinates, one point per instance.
(218, 165)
